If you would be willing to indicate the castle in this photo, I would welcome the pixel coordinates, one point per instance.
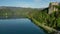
(52, 7)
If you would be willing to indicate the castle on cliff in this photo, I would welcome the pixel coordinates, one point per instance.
(52, 7)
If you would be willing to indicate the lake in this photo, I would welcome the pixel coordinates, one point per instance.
(19, 26)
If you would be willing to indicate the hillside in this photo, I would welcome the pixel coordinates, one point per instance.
(15, 12)
(50, 20)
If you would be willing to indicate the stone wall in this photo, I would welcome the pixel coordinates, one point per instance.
(52, 7)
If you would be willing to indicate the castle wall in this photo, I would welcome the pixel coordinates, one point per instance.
(52, 7)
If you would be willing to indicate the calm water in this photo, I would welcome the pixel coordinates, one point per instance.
(19, 26)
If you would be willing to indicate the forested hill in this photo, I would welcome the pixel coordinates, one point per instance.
(51, 20)
(15, 12)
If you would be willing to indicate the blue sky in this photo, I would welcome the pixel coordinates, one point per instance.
(27, 3)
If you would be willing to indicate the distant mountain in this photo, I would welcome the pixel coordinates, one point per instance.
(15, 11)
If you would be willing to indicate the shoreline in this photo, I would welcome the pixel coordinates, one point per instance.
(46, 29)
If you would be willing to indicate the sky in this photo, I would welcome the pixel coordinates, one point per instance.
(27, 3)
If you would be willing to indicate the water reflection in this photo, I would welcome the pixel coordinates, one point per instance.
(19, 26)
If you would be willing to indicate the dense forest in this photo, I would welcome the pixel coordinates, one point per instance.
(51, 20)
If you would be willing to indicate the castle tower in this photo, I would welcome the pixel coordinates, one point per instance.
(52, 7)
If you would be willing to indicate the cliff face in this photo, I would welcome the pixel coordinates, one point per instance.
(52, 7)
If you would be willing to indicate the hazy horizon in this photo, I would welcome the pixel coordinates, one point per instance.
(27, 3)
